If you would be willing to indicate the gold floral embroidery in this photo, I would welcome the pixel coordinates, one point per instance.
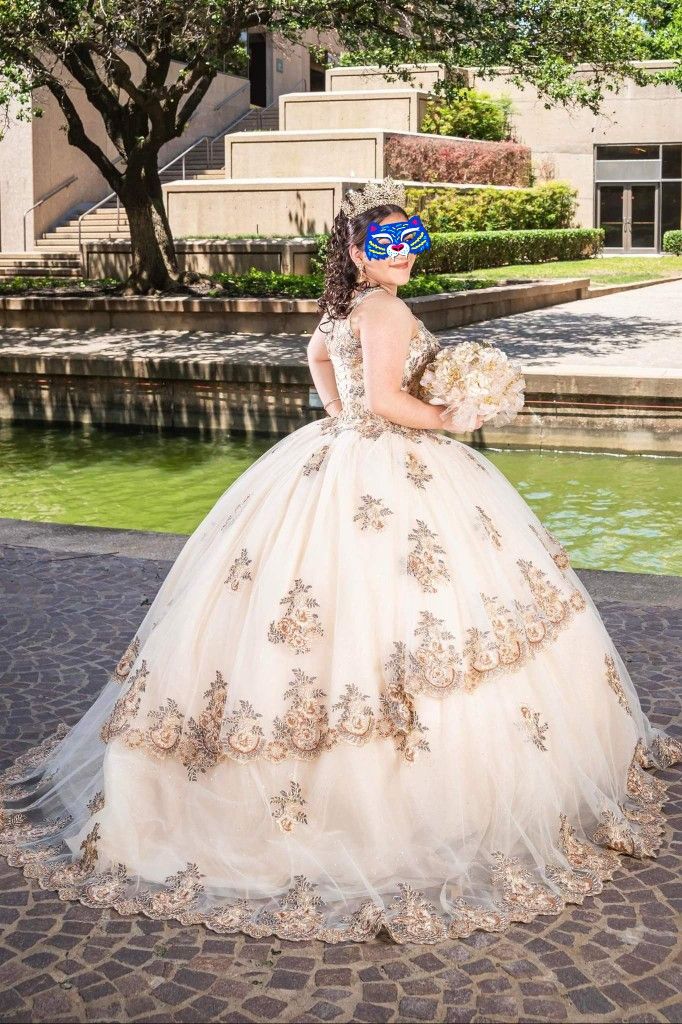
(304, 730)
(617, 833)
(299, 915)
(127, 660)
(614, 681)
(96, 802)
(665, 750)
(127, 706)
(582, 855)
(573, 887)
(201, 744)
(371, 513)
(314, 462)
(180, 891)
(549, 541)
(417, 471)
(522, 896)
(399, 720)
(547, 596)
(489, 527)
(416, 919)
(300, 624)
(244, 737)
(434, 666)
(356, 719)
(422, 561)
(84, 865)
(535, 729)
(287, 808)
(467, 918)
(239, 572)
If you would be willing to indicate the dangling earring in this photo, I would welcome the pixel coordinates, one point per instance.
(363, 276)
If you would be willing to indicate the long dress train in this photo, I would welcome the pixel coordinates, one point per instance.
(371, 692)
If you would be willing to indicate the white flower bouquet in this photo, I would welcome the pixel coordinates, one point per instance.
(474, 379)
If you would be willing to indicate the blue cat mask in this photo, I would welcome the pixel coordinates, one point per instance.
(395, 241)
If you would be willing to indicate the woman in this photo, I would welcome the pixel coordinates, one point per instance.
(371, 692)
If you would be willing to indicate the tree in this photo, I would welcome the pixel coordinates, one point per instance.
(51, 43)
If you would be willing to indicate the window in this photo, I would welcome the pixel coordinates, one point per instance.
(628, 152)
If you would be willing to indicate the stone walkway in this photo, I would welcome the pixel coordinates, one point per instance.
(638, 329)
(71, 600)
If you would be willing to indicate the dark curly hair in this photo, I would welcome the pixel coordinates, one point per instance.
(341, 273)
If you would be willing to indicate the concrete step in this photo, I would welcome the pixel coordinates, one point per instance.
(9, 272)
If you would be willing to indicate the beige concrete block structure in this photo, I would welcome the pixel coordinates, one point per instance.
(390, 109)
(422, 76)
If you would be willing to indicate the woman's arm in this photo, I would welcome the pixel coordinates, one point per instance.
(386, 326)
(322, 372)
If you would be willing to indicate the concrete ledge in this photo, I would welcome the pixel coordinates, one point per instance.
(397, 109)
(272, 316)
(111, 257)
(246, 386)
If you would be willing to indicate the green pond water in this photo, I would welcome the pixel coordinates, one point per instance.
(610, 511)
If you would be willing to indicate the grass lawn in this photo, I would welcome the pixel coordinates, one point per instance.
(600, 269)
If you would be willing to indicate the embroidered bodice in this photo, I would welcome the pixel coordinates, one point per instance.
(345, 352)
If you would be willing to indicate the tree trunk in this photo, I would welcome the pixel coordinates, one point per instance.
(154, 265)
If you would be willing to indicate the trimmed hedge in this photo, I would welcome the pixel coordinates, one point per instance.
(550, 205)
(266, 284)
(456, 251)
(672, 242)
(434, 158)
(472, 250)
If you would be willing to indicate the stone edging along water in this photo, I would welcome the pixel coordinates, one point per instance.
(271, 316)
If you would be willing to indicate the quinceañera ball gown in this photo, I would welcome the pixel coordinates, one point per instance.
(371, 693)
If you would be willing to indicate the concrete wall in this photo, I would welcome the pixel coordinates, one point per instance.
(342, 79)
(36, 157)
(563, 140)
(284, 207)
(388, 109)
(356, 153)
(231, 256)
(16, 183)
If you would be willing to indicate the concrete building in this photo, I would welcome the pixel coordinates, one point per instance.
(47, 184)
(626, 162)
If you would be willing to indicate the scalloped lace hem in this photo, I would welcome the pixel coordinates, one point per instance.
(517, 893)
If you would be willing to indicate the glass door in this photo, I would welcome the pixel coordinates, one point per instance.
(641, 233)
(629, 216)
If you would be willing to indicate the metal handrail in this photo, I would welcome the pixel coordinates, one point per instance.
(181, 156)
(48, 195)
(259, 114)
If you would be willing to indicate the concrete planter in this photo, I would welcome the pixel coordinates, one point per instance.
(111, 258)
(271, 316)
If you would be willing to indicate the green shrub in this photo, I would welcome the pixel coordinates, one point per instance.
(471, 115)
(672, 242)
(268, 284)
(550, 205)
(472, 250)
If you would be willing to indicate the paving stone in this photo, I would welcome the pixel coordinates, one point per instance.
(416, 1008)
(590, 1000)
(373, 1012)
(264, 1007)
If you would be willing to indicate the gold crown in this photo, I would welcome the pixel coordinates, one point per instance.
(375, 193)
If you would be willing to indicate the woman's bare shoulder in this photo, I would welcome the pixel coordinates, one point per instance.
(382, 307)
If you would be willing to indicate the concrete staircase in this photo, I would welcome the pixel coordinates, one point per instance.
(37, 264)
(56, 252)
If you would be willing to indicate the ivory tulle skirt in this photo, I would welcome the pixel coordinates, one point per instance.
(371, 692)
